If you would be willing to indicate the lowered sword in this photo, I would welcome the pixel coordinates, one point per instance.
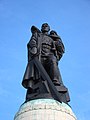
(45, 76)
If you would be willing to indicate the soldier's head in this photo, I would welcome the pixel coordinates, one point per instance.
(45, 28)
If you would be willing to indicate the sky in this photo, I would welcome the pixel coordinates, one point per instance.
(71, 20)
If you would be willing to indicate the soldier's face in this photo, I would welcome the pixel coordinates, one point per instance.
(45, 28)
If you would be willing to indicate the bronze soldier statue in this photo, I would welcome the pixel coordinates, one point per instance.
(42, 77)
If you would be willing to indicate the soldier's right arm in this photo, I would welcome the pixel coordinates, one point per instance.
(32, 46)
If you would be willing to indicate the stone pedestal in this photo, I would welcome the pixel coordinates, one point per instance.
(44, 109)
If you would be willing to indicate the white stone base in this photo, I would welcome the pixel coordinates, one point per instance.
(44, 109)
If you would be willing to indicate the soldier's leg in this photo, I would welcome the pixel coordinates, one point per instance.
(54, 71)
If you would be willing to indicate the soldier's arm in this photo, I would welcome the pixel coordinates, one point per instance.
(32, 45)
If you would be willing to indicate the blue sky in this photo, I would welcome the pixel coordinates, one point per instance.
(71, 20)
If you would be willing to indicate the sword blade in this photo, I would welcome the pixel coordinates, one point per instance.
(45, 76)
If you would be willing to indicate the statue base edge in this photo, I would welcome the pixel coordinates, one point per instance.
(44, 109)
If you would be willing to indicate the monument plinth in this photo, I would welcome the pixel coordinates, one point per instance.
(44, 109)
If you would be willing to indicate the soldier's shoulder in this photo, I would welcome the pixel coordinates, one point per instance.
(40, 34)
